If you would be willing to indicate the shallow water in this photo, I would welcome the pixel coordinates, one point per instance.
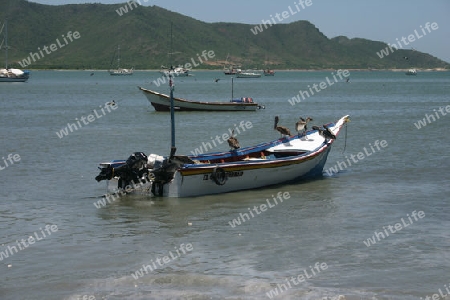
(94, 252)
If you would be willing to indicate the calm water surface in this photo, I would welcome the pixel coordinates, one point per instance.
(94, 252)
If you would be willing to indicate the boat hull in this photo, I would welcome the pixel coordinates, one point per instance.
(121, 72)
(161, 102)
(251, 177)
(248, 75)
(9, 79)
(287, 160)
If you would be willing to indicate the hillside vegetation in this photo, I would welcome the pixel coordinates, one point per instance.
(144, 38)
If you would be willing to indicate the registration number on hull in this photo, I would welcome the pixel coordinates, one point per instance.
(229, 174)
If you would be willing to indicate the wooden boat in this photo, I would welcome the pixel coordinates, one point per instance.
(161, 102)
(286, 160)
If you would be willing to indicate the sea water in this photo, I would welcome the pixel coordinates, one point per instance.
(374, 227)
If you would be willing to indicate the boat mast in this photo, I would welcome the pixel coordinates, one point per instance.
(118, 56)
(232, 96)
(172, 113)
(6, 44)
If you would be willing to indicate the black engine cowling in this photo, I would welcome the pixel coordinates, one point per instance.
(133, 170)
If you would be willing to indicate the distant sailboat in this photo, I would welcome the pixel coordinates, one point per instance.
(119, 71)
(231, 69)
(9, 74)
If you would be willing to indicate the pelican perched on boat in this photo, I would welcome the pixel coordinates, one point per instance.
(233, 142)
(281, 129)
(302, 125)
(326, 132)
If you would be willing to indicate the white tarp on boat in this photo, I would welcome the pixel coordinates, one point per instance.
(16, 72)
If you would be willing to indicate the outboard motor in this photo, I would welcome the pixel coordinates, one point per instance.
(132, 171)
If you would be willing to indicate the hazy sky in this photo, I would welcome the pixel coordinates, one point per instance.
(380, 20)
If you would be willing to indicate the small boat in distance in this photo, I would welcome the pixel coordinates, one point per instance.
(161, 102)
(411, 72)
(232, 70)
(119, 71)
(10, 74)
(248, 74)
(269, 72)
(179, 71)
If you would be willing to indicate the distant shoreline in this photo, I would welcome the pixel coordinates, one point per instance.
(276, 70)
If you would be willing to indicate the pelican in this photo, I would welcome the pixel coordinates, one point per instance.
(233, 142)
(302, 124)
(281, 129)
(326, 132)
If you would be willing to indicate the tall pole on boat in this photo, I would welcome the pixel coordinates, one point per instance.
(6, 44)
(232, 96)
(172, 113)
(118, 57)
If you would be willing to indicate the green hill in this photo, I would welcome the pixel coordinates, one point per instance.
(143, 34)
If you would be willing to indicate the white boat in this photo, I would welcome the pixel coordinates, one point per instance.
(286, 160)
(248, 74)
(411, 72)
(231, 69)
(177, 72)
(10, 74)
(161, 102)
(119, 71)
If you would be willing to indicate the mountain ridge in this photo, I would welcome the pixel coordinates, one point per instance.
(143, 34)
